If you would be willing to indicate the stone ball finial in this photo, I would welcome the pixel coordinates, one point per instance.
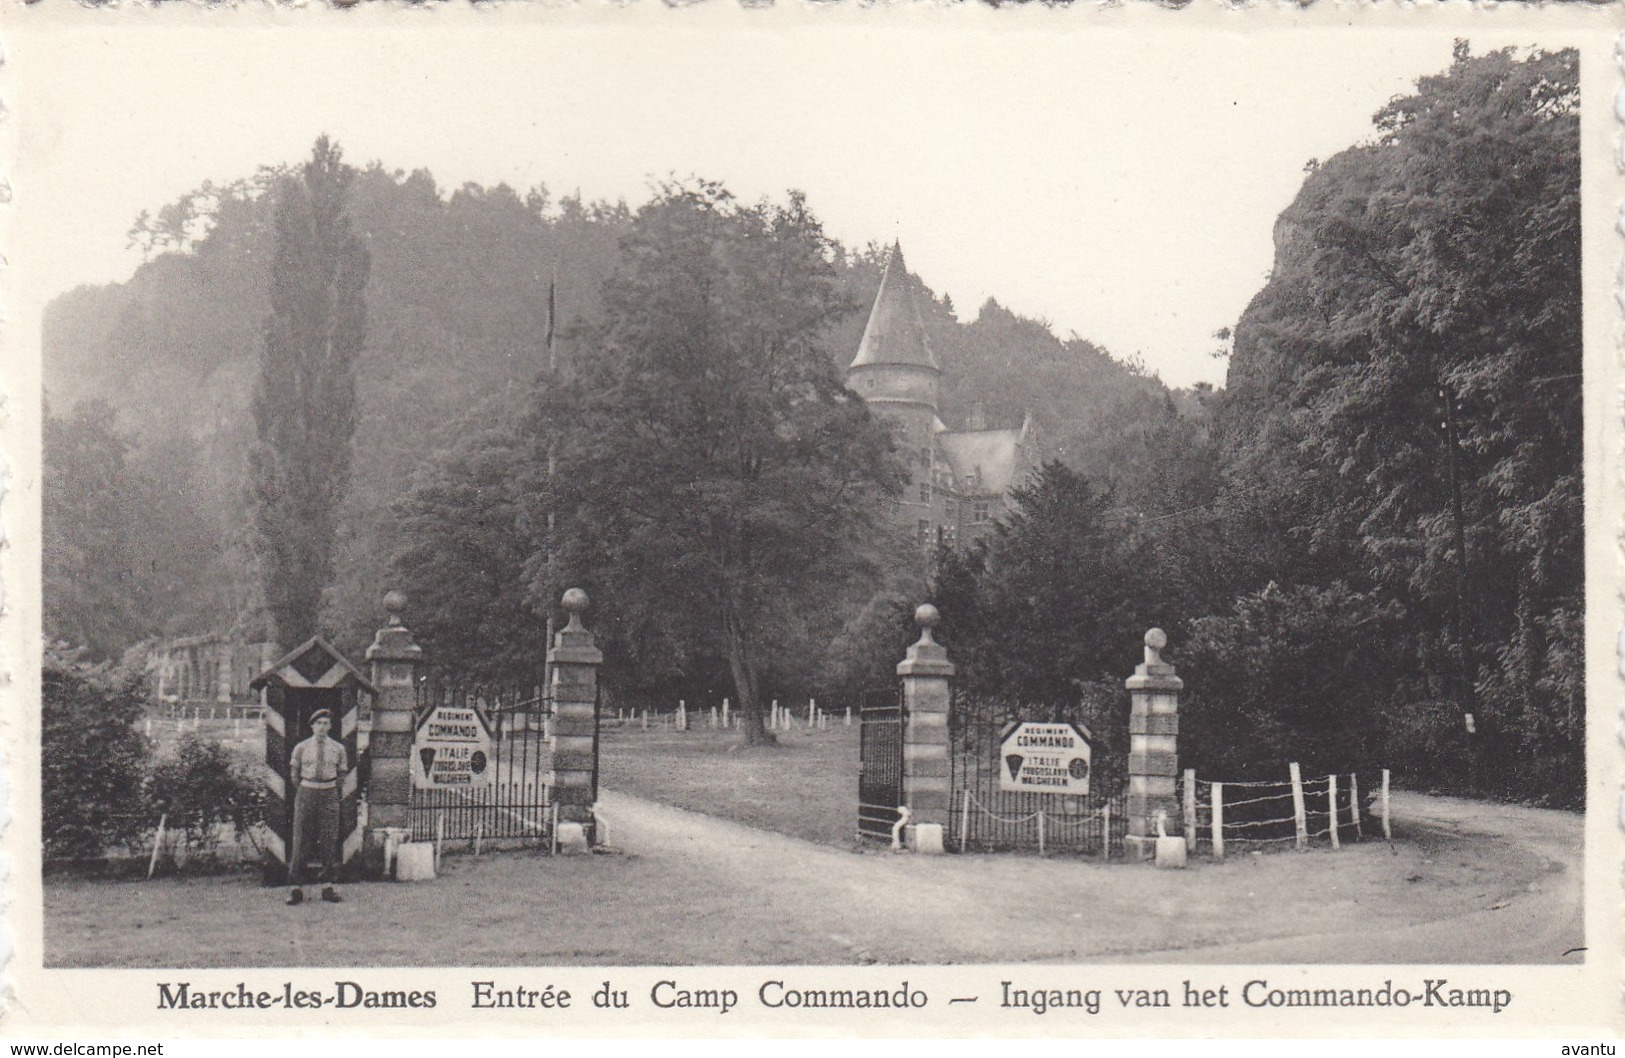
(1156, 639)
(575, 600)
(927, 616)
(394, 603)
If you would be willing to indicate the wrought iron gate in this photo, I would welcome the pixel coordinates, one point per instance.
(880, 763)
(515, 803)
(982, 817)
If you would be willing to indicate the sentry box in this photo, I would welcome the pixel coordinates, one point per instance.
(312, 676)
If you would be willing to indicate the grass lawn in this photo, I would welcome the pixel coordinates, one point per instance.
(806, 786)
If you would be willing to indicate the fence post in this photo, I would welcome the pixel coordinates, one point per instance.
(1299, 817)
(394, 658)
(1387, 831)
(1354, 805)
(926, 672)
(572, 665)
(1153, 760)
(1331, 801)
(1106, 828)
(725, 717)
(1190, 807)
(1218, 822)
(964, 819)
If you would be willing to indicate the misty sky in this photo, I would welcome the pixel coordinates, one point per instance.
(1122, 186)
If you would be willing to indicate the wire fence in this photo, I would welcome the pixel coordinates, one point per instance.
(991, 820)
(1294, 812)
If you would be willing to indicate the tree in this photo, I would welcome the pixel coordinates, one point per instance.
(95, 587)
(305, 399)
(714, 478)
(1044, 603)
(1404, 405)
(463, 560)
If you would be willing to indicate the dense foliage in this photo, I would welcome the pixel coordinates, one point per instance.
(1403, 426)
(95, 594)
(93, 759)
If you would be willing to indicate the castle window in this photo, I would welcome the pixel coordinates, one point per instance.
(925, 531)
(925, 492)
(979, 512)
(868, 383)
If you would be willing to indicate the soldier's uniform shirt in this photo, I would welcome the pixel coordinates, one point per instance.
(318, 760)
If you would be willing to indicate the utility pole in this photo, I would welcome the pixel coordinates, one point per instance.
(1467, 697)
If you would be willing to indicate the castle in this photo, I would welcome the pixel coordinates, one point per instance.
(959, 480)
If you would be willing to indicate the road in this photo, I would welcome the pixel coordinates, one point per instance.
(1465, 882)
(1462, 882)
(1541, 923)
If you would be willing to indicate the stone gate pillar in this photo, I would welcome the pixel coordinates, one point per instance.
(572, 665)
(394, 658)
(926, 673)
(1153, 753)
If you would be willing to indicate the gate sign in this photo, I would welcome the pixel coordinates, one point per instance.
(452, 750)
(1045, 758)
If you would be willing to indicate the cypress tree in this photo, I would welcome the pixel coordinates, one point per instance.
(304, 400)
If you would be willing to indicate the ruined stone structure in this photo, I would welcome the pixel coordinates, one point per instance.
(209, 668)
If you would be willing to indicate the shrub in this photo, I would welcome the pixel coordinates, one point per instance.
(199, 787)
(92, 759)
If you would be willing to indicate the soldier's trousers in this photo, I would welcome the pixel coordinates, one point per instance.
(315, 833)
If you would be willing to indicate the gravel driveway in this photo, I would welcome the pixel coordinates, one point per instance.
(1463, 882)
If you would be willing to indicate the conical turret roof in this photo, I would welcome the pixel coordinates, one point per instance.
(896, 332)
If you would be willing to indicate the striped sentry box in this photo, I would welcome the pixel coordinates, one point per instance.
(312, 676)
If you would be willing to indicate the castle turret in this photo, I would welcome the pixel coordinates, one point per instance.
(896, 373)
(895, 364)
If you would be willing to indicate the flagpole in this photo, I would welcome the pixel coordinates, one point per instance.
(552, 379)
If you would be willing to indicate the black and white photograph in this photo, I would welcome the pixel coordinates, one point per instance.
(828, 519)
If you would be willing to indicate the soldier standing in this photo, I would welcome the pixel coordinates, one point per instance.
(317, 772)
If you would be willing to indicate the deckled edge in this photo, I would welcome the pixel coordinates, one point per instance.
(8, 507)
(1615, 482)
(9, 634)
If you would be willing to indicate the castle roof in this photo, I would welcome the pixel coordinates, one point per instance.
(993, 458)
(896, 332)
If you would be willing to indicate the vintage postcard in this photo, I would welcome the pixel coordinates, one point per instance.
(811, 520)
